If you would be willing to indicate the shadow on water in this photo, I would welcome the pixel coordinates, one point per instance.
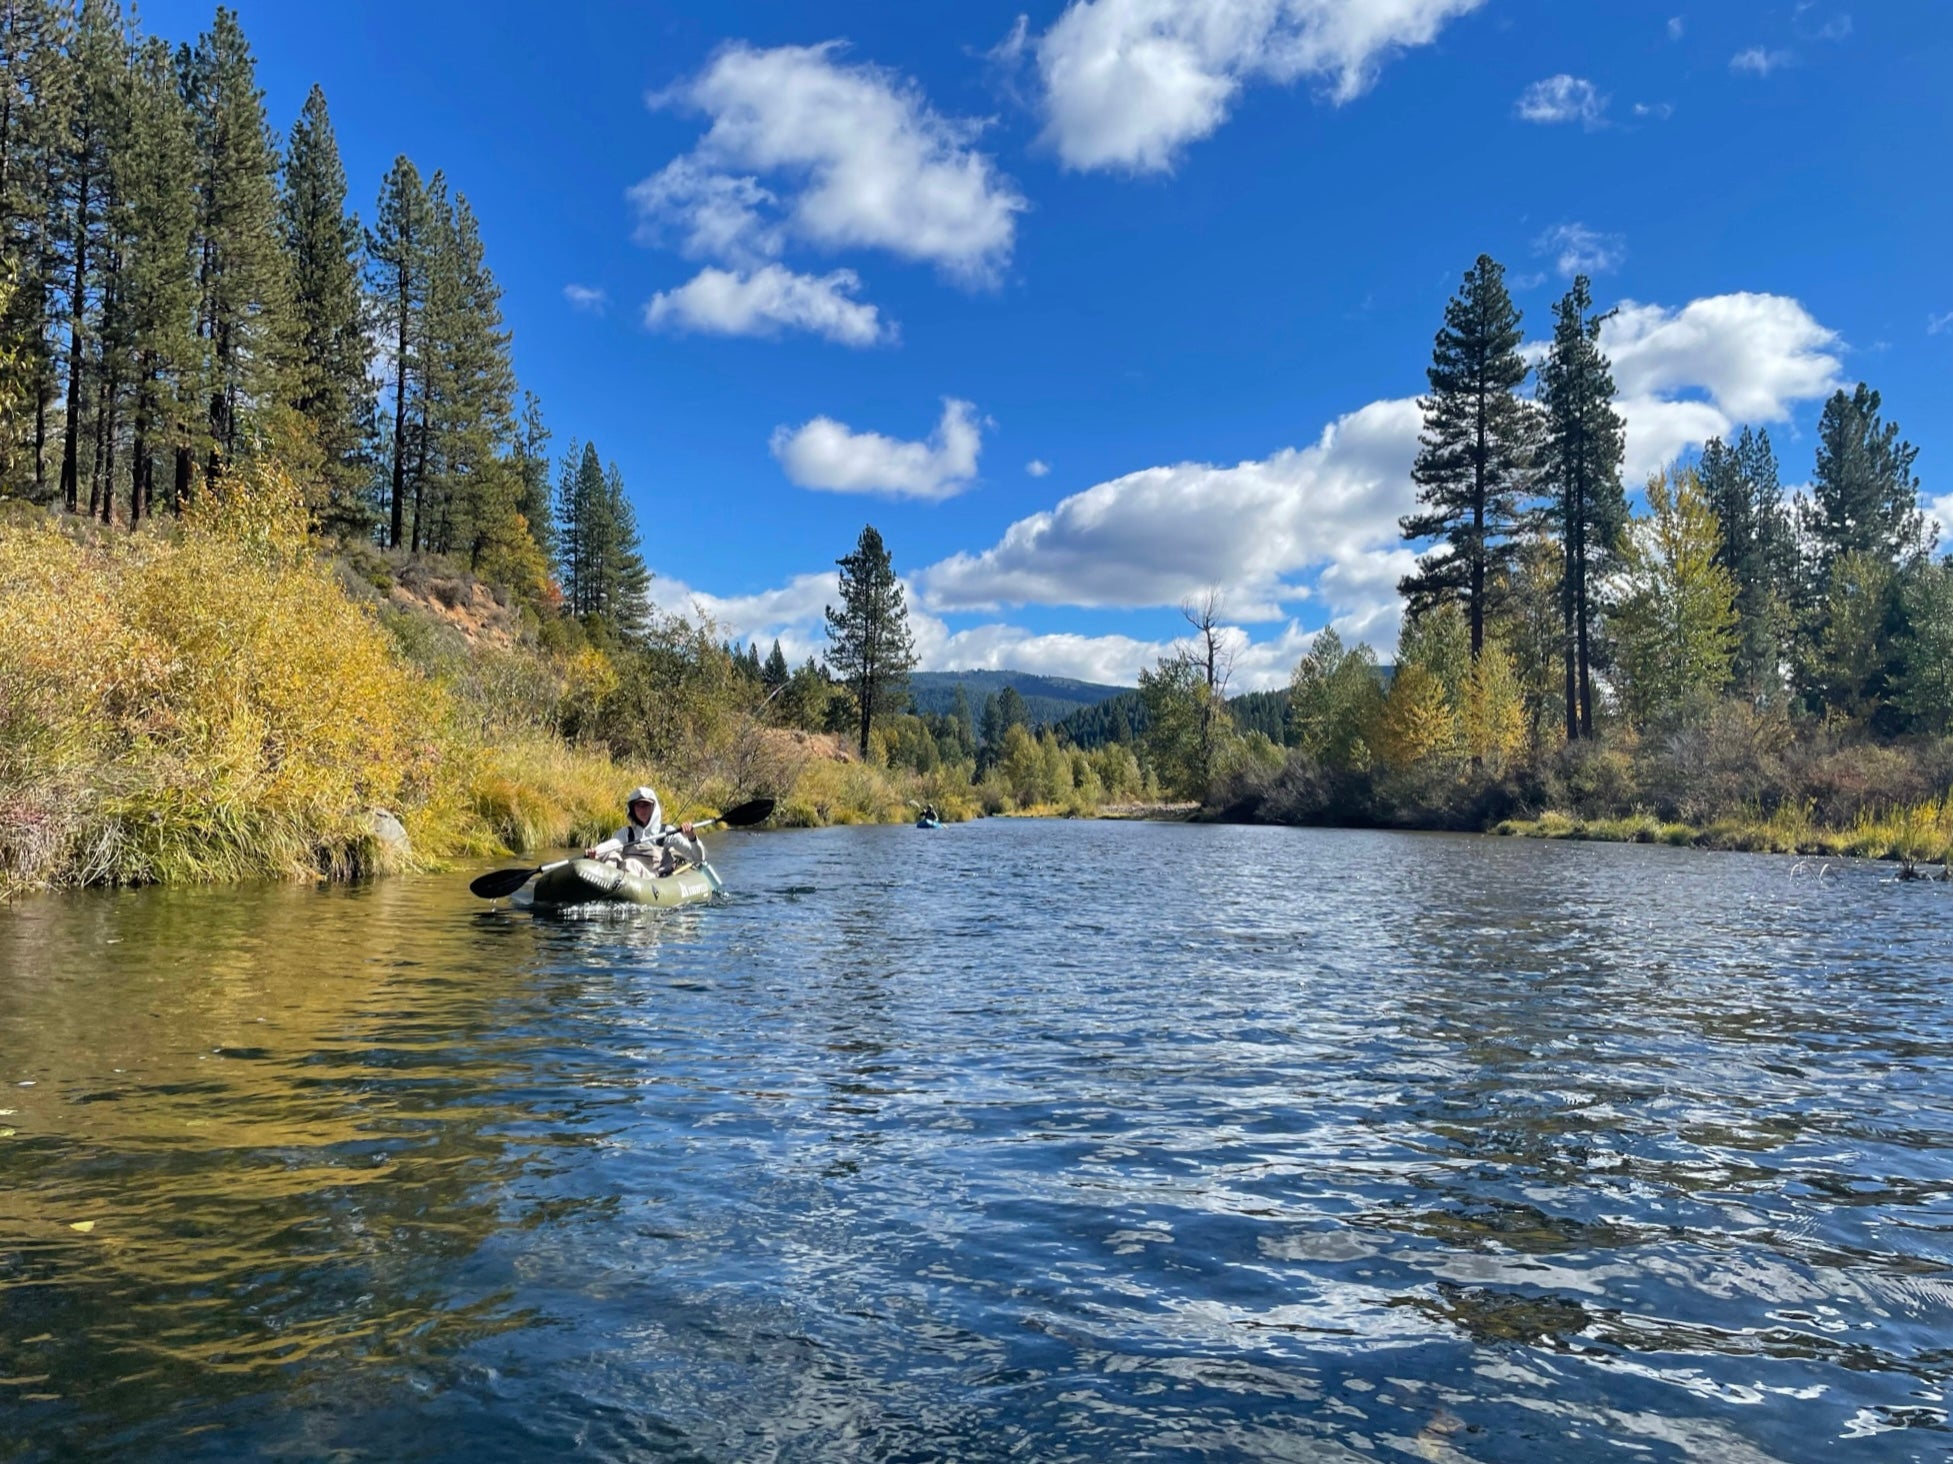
(1026, 1140)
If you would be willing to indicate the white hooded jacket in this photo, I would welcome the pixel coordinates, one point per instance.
(648, 842)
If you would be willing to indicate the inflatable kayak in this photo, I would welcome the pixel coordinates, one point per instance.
(590, 882)
(928, 823)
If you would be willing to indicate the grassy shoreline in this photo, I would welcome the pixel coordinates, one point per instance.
(1918, 835)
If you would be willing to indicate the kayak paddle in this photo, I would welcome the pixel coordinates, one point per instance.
(498, 883)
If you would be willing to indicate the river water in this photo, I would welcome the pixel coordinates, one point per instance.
(1025, 1140)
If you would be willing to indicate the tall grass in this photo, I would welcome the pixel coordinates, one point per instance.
(1910, 833)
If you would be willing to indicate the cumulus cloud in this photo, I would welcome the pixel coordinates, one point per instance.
(1563, 98)
(1037, 467)
(831, 455)
(1161, 535)
(1128, 83)
(1577, 249)
(1687, 375)
(768, 301)
(584, 297)
(1758, 61)
(805, 147)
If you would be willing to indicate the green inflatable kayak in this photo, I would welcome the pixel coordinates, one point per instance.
(590, 881)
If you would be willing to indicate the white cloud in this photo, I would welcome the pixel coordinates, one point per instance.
(1675, 27)
(1563, 98)
(1759, 61)
(804, 147)
(1128, 83)
(1577, 249)
(1660, 111)
(583, 297)
(768, 301)
(831, 455)
(1937, 323)
(1754, 356)
(1160, 535)
(1037, 467)
(1687, 375)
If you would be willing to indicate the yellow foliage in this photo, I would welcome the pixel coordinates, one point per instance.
(1416, 722)
(1493, 719)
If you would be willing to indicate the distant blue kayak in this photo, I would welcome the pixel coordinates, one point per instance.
(928, 823)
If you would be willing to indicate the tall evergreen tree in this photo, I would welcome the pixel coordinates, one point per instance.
(329, 387)
(774, 673)
(869, 643)
(242, 315)
(473, 493)
(98, 61)
(1581, 462)
(604, 577)
(1864, 498)
(625, 583)
(157, 294)
(1757, 546)
(398, 252)
(1475, 451)
(35, 98)
(531, 456)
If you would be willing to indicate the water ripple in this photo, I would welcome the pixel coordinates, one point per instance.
(1019, 1140)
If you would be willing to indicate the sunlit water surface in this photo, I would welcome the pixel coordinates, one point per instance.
(1021, 1140)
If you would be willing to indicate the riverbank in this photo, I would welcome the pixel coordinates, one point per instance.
(218, 700)
(1911, 837)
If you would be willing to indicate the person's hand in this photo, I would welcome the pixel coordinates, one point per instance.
(685, 829)
(590, 853)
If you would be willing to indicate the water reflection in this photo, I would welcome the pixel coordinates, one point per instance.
(1064, 1141)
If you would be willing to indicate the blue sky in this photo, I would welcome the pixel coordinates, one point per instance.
(1091, 305)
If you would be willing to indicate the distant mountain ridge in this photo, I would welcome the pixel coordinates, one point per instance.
(1047, 699)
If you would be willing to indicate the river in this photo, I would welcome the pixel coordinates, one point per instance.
(1014, 1140)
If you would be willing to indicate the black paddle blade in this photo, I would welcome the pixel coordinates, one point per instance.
(500, 882)
(757, 811)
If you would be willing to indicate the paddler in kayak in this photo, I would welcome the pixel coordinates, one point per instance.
(643, 846)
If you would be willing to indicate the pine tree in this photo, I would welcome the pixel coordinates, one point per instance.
(157, 294)
(329, 388)
(242, 316)
(475, 494)
(530, 451)
(1758, 547)
(1925, 681)
(773, 675)
(1476, 448)
(869, 643)
(98, 60)
(35, 100)
(1581, 462)
(1864, 498)
(397, 252)
(626, 582)
(604, 576)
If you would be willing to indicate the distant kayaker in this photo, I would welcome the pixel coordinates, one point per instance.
(643, 846)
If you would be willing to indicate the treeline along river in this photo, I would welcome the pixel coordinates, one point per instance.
(1014, 1140)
